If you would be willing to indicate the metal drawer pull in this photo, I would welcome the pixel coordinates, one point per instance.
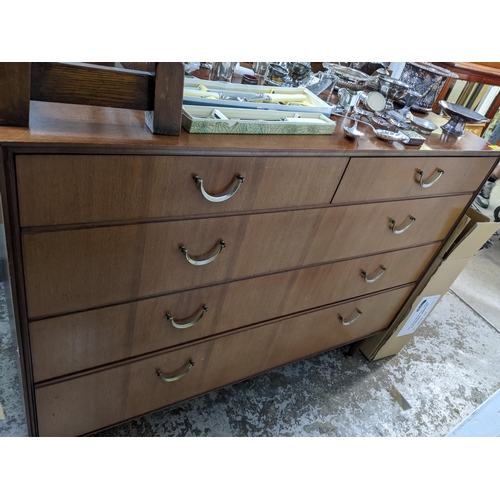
(375, 278)
(202, 262)
(429, 184)
(346, 323)
(216, 199)
(193, 322)
(177, 377)
(402, 230)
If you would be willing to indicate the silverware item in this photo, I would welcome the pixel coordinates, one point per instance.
(352, 132)
(414, 138)
(222, 71)
(321, 86)
(459, 117)
(423, 126)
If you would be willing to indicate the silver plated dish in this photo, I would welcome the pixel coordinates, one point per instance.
(387, 135)
(422, 125)
(426, 79)
(392, 89)
(380, 122)
(460, 116)
(348, 78)
(414, 138)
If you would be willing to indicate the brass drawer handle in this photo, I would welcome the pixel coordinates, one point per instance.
(375, 278)
(216, 199)
(429, 184)
(193, 322)
(403, 229)
(346, 323)
(177, 377)
(202, 262)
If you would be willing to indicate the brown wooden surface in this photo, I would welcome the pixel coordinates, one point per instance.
(54, 189)
(141, 66)
(473, 72)
(387, 178)
(78, 270)
(53, 127)
(85, 404)
(76, 342)
(166, 116)
(80, 83)
(15, 298)
(14, 94)
(94, 267)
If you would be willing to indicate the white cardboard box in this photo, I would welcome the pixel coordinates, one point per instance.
(467, 239)
(313, 103)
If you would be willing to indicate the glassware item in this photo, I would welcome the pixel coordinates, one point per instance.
(259, 68)
(249, 80)
(410, 99)
(276, 75)
(222, 71)
(348, 99)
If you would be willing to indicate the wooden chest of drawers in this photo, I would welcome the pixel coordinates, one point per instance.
(148, 270)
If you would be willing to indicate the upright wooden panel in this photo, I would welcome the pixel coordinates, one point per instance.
(15, 94)
(95, 267)
(93, 85)
(14, 287)
(166, 117)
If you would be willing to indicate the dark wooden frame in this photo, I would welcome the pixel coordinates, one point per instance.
(159, 92)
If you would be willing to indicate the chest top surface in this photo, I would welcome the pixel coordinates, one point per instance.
(60, 127)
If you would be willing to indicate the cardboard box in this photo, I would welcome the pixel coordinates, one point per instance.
(469, 236)
(310, 102)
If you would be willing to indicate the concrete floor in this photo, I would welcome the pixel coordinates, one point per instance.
(447, 371)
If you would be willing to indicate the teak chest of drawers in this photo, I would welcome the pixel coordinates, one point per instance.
(147, 270)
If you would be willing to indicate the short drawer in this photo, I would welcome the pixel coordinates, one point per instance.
(67, 271)
(68, 189)
(80, 341)
(370, 179)
(88, 403)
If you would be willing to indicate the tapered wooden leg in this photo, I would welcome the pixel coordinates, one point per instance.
(166, 118)
(15, 83)
(354, 348)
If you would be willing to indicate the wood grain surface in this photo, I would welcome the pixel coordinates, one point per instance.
(85, 404)
(166, 116)
(96, 267)
(72, 189)
(54, 127)
(93, 85)
(14, 94)
(398, 177)
(80, 341)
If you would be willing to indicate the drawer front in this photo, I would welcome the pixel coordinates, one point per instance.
(74, 270)
(66, 189)
(370, 179)
(90, 402)
(80, 341)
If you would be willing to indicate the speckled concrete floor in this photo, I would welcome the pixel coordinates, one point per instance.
(479, 282)
(444, 374)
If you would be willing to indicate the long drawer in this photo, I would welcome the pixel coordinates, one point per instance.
(68, 189)
(79, 269)
(85, 404)
(79, 341)
(392, 178)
